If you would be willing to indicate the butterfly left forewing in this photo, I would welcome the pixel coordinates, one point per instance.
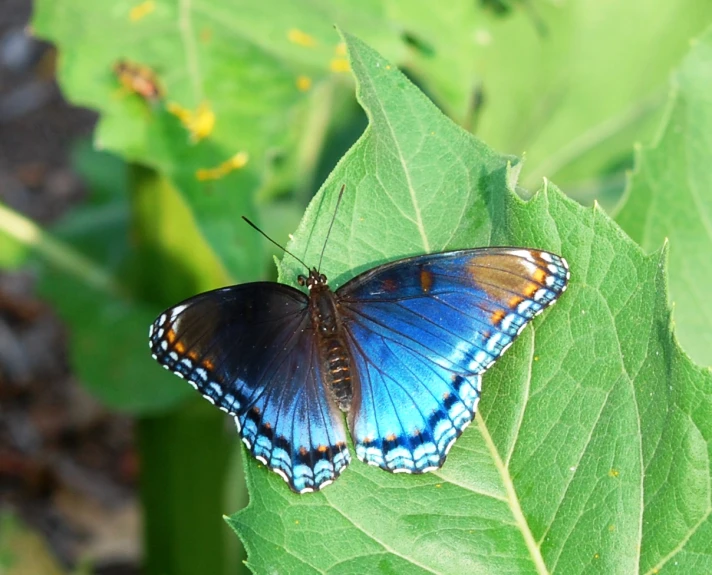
(422, 331)
(250, 350)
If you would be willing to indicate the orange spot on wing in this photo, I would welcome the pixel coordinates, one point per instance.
(192, 354)
(389, 285)
(179, 347)
(514, 301)
(540, 275)
(209, 365)
(391, 437)
(171, 336)
(303, 450)
(530, 290)
(322, 448)
(497, 316)
(426, 280)
(446, 395)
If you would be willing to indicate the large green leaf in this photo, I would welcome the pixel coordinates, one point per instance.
(552, 95)
(249, 63)
(670, 196)
(591, 450)
(576, 98)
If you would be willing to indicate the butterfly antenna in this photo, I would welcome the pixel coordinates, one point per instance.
(285, 250)
(331, 225)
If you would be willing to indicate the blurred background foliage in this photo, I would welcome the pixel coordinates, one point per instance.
(209, 110)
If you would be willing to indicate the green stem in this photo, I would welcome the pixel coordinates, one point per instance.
(184, 462)
(57, 253)
(185, 454)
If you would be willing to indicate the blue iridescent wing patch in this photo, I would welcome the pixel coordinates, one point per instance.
(422, 331)
(250, 350)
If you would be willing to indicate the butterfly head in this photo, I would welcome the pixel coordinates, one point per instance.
(313, 280)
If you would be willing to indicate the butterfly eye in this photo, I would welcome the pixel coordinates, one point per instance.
(322, 278)
(301, 280)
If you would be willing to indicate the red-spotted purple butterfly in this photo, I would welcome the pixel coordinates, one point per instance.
(400, 349)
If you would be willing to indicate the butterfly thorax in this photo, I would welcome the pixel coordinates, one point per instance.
(333, 352)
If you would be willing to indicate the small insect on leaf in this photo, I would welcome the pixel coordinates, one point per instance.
(138, 79)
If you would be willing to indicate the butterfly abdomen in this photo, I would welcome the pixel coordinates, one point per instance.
(333, 353)
(338, 372)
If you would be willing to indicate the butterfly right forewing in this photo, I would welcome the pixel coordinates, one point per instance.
(250, 350)
(422, 332)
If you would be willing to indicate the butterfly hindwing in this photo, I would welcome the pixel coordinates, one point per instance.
(250, 350)
(422, 331)
(407, 409)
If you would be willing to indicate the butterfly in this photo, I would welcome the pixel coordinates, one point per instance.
(400, 349)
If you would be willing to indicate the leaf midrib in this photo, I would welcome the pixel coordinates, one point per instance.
(385, 546)
(512, 499)
(401, 159)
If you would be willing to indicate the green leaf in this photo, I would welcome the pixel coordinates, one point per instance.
(576, 99)
(244, 61)
(552, 95)
(108, 345)
(249, 63)
(396, 178)
(668, 198)
(591, 450)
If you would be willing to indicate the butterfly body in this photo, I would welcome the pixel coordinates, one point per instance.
(331, 346)
(400, 348)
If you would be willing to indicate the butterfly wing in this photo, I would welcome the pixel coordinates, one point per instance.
(422, 331)
(250, 350)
